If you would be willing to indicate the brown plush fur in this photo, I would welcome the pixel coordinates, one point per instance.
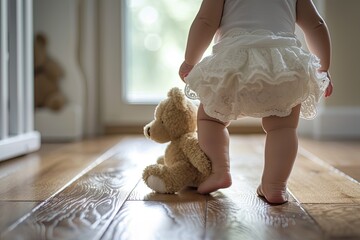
(47, 76)
(184, 163)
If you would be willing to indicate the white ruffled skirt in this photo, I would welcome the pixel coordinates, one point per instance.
(257, 74)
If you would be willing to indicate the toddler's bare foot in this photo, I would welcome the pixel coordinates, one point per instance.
(274, 194)
(217, 180)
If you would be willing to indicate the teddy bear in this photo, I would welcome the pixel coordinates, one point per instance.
(47, 74)
(184, 164)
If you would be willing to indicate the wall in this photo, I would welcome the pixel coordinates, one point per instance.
(343, 19)
(339, 115)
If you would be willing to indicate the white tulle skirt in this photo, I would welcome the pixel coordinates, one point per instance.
(257, 74)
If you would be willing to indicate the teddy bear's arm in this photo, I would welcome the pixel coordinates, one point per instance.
(161, 160)
(196, 156)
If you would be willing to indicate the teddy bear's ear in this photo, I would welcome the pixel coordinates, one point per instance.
(178, 98)
(41, 38)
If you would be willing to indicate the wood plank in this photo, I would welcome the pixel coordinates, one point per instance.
(343, 155)
(86, 207)
(81, 211)
(138, 152)
(47, 148)
(338, 221)
(313, 181)
(336, 153)
(248, 217)
(38, 176)
(12, 211)
(351, 171)
(43, 180)
(159, 220)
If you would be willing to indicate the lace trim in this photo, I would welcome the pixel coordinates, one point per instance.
(190, 93)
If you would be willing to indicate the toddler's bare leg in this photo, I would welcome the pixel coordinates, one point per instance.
(214, 141)
(280, 153)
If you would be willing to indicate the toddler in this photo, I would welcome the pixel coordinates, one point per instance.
(258, 69)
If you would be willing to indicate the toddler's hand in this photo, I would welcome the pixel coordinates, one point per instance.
(184, 70)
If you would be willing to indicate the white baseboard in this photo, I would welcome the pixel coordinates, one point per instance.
(333, 123)
(19, 145)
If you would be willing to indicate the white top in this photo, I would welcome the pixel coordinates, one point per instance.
(274, 15)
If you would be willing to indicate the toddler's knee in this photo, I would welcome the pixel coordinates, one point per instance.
(273, 125)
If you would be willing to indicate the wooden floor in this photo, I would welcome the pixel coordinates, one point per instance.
(93, 190)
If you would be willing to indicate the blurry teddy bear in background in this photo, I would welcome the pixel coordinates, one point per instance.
(47, 76)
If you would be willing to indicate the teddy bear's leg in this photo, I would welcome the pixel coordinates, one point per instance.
(164, 179)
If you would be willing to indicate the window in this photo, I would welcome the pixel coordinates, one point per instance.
(156, 33)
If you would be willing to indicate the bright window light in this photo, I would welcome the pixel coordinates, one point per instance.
(156, 33)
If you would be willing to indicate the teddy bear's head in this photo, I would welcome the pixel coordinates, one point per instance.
(47, 76)
(174, 117)
(42, 62)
